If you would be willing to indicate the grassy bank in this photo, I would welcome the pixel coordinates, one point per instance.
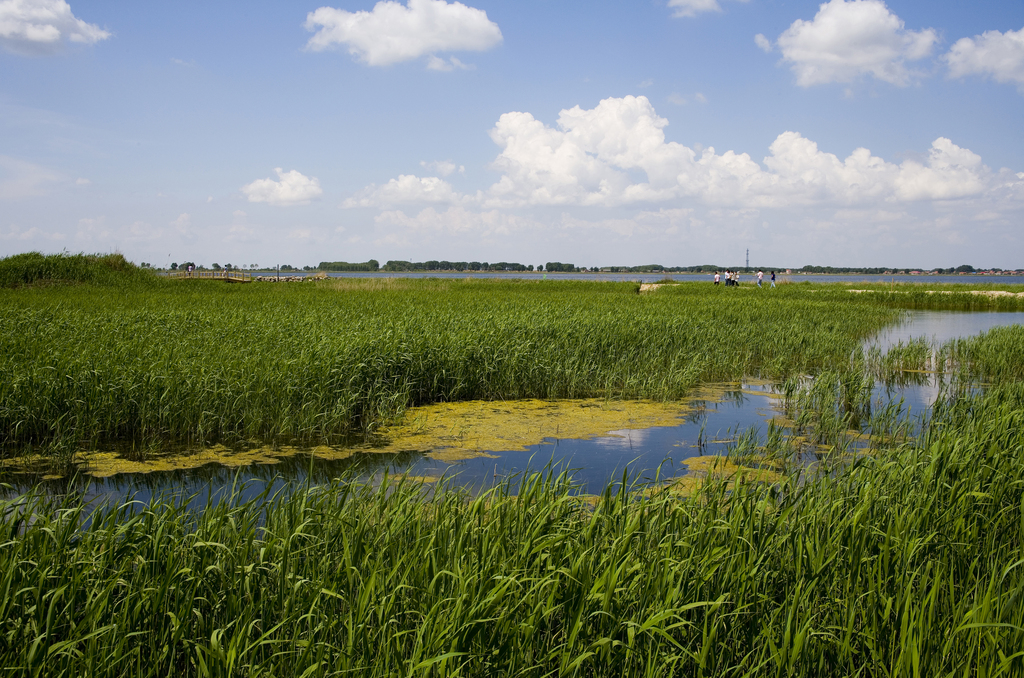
(902, 564)
(185, 363)
(35, 269)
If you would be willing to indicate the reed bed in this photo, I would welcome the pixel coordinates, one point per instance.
(901, 564)
(927, 296)
(992, 357)
(193, 363)
(996, 356)
(847, 401)
(35, 269)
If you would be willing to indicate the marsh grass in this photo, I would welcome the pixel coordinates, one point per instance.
(839, 407)
(925, 295)
(901, 562)
(897, 565)
(35, 269)
(996, 356)
(195, 364)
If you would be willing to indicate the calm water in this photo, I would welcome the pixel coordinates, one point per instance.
(709, 429)
(941, 326)
(936, 327)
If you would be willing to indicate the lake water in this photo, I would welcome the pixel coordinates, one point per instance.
(708, 428)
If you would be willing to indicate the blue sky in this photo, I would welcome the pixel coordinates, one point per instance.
(601, 133)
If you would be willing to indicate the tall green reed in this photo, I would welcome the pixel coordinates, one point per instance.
(191, 363)
(901, 564)
(33, 268)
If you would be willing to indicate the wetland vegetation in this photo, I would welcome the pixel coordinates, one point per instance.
(191, 364)
(901, 563)
(899, 557)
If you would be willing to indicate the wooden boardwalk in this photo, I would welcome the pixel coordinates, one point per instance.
(226, 276)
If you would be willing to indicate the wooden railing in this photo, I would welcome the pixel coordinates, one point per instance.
(229, 276)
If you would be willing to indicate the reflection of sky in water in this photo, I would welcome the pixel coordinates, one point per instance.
(215, 482)
(917, 398)
(642, 452)
(937, 327)
(594, 462)
(941, 326)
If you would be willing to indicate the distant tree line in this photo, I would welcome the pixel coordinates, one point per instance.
(965, 268)
(658, 268)
(434, 265)
(184, 266)
(559, 267)
(371, 265)
(844, 269)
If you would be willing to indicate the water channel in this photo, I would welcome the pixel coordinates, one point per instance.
(706, 426)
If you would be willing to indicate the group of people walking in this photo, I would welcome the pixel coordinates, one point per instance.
(732, 278)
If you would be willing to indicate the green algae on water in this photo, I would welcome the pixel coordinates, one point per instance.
(467, 430)
(104, 464)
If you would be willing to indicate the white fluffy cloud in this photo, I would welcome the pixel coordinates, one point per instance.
(997, 55)
(405, 189)
(616, 154)
(392, 32)
(688, 8)
(442, 167)
(684, 8)
(457, 220)
(43, 26)
(294, 188)
(593, 155)
(670, 222)
(436, 63)
(847, 40)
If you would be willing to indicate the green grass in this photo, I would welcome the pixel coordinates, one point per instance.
(33, 268)
(902, 564)
(924, 295)
(187, 363)
(994, 357)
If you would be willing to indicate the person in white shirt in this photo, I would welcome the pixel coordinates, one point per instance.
(760, 277)
(717, 277)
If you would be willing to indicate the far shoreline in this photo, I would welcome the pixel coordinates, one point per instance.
(650, 277)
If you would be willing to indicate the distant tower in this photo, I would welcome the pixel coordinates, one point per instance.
(748, 258)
